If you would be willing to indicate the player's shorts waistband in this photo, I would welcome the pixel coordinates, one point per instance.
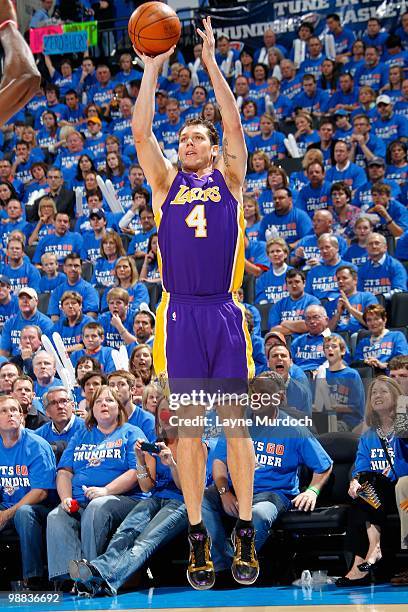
(218, 298)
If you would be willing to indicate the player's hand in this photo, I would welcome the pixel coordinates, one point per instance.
(300, 252)
(7, 11)
(207, 36)
(313, 261)
(305, 501)
(230, 504)
(375, 363)
(380, 210)
(354, 487)
(344, 301)
(116, 322)
(404, 505)
(166, 456)
(26, 352)
(157, 61)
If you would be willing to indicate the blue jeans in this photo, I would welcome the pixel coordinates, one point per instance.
(266, 508)
(152, 523)
(85, 534)
(30, 522)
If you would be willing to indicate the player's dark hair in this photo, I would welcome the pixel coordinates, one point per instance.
(91, 374)
(350, 269)
(212, 132)
(72, 255)
(333, 16)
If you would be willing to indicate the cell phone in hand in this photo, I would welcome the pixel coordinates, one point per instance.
(150, 448)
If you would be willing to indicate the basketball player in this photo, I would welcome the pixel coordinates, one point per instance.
(200, 327)
(21, 79)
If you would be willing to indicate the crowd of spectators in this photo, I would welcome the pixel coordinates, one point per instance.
(326, 231)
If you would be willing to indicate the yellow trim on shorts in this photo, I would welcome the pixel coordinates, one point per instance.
(160, 338)
(248, 341)
(239, 256)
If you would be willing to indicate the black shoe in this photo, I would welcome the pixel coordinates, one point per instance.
(349, 582)
(200, 571)
(245, 564)
(37, 584)
(366, 566)
(88, 581)
(63, 586)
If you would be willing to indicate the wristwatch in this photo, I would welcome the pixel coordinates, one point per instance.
(223, 490)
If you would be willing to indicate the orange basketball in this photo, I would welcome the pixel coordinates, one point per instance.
(154, 28)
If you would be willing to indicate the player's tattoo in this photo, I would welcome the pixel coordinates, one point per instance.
(226, 155)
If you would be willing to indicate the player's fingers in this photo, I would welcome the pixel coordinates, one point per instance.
(201, 34)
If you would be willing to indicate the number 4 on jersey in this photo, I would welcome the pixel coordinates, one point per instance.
(197, 220)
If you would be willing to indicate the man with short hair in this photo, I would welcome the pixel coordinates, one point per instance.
(28, 315)
(316, 194)
(70, 325)
(393, 215)
(27, 475)
(381, 273)
(298, 393)
(365, 145)
(398, 368)
(344, 169)
(63, 423)
(291, 223)
(307, 349)
(286, 316)
(23, 390)
(389, 126)
(123, 383)
(346, 311)
(372, 73)
(311, 98)
(321, 281)
(143, 327)
(64, 198)
(343, 38)
(44, 371)
(376, 174)
(74, 282)
(30, 344)
(307, 251)
(17, 267)
(62, 242)
(8, 373)
(346, 96)
(8, 301)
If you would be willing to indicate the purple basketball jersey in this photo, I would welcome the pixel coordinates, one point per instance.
(201, 237)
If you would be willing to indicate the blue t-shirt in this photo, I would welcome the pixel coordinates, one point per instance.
(96, 459)
(47, 285)
(145, 421)
(112, 336)
(346, 392)
(26, 275)
(8, 310)
(271, 287)
(165, 486)
(256, 254)
(104, 356)
(356, 254)
(47, 432)
(10, 337)
(103, 273)
(394, 128)
(401, 251)
(279, 451)
(311, 248)
(310, 199)
(292, 226)
(392, 344)
(71, 335)
(371, 456)
(273, 146)
(359, 300)
(382, 278)
(288, 309)
(353, 176)
(61, 246)
(28, 465)
(321, 281)
(375, 77)
(318, 103)
(89, 294)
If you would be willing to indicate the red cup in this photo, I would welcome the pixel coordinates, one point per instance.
(73, 506)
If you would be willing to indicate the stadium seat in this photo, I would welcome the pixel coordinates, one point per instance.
(264, 312)
(399, 309)
(155, 291)
(290, 165)
(43, 301)
(248, 286)
(125, 241)
(87, 270)
(391, 245)
(30, 250)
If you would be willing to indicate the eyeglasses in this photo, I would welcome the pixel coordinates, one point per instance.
(61, 402)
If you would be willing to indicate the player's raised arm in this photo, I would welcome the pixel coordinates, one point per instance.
(21, 79)
(234, 158)
(157, 169)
